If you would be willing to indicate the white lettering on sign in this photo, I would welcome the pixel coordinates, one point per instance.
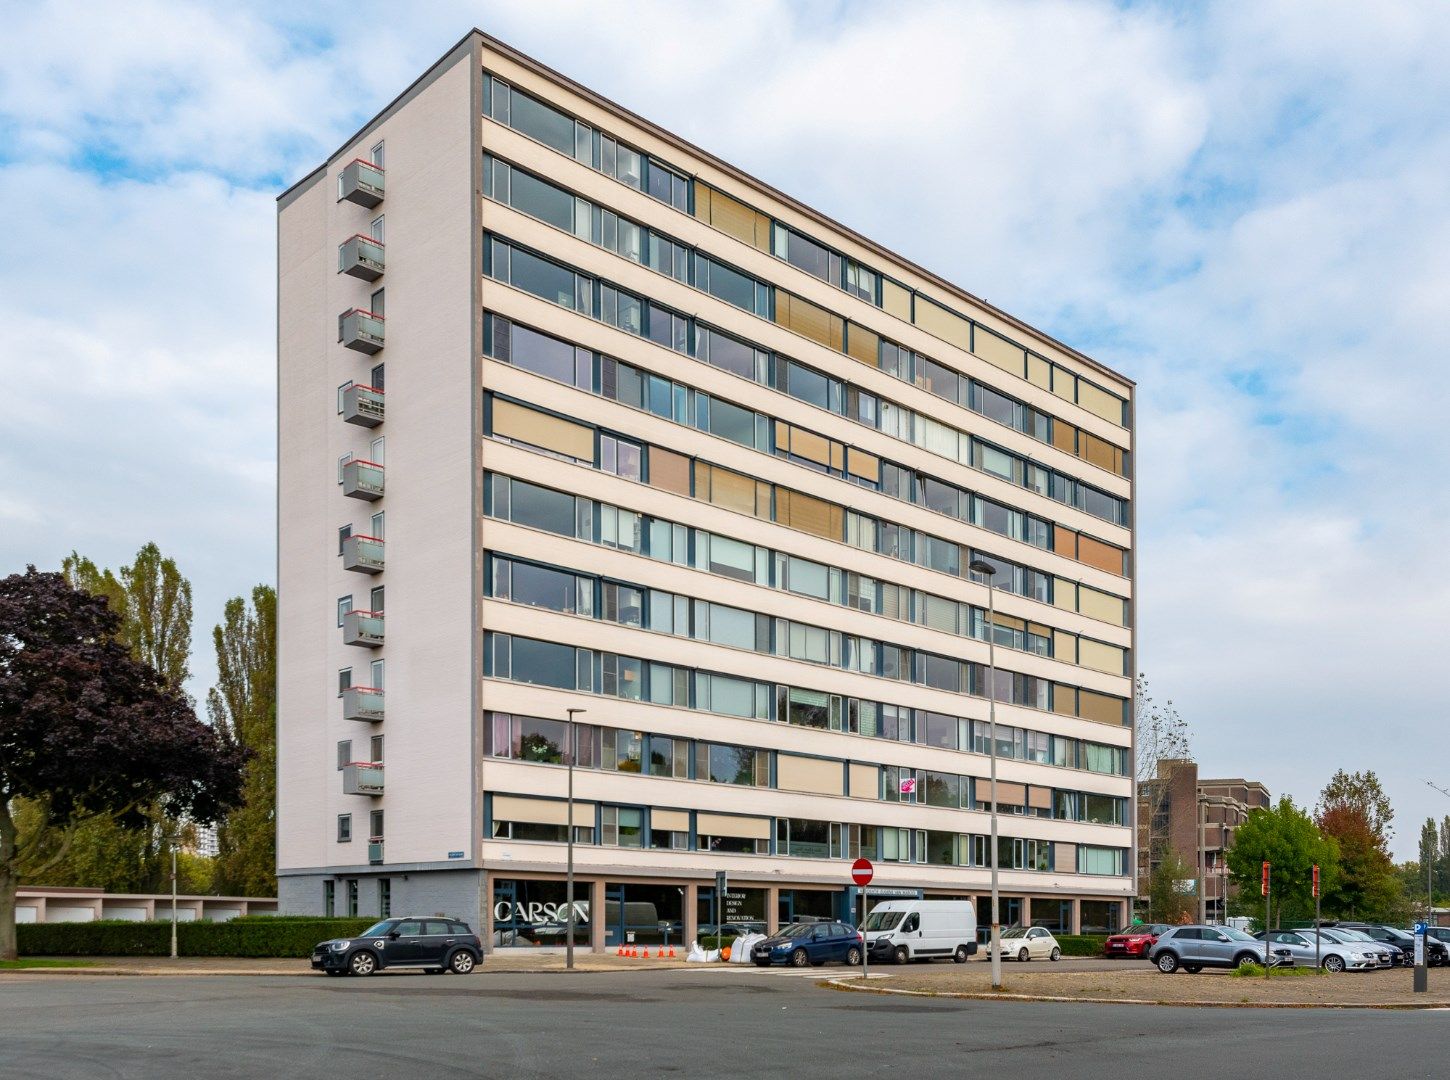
(537, 912)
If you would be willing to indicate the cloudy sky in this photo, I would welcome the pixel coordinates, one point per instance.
(1242, 206)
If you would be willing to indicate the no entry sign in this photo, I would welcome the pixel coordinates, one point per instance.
(861, 872)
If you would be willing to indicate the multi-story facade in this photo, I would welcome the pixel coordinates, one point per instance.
(662, 444)
(1197, 819)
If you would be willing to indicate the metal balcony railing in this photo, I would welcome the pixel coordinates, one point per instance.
(362, 405)
(363, 480)
(360, 257)
(364, 554)
(364, 628)
(362, 778)
(360, 330)
(363, 703)
(361, 182)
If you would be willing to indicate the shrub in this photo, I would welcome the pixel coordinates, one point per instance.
(254, 936)
(1256, 971)
(1081, 944)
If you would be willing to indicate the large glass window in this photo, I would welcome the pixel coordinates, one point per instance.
(540, 508)
(802, 838)
(542, 122)
(545, 279)
(543, 663)
(731, 422)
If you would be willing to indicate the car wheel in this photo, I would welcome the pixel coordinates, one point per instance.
(461, 962)
(362, 963)
(1192, 969)
(799, 959)
(1333, 964)
(900, 956)
(1022, 956)
(960, 956)
(1167, 963)
(853, 956)
(1247, 959)
(1055, 955)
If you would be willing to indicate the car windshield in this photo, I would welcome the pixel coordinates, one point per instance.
(1015, 932)
(795, 930)
(884, 920)
(377, 928)
(1235, 934)
(1398, 935)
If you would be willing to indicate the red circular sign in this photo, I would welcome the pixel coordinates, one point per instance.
(861, 871)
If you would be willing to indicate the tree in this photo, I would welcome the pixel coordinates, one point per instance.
(1442, 861)
(1287, 838)
(1362, 794)
(152, 600)
(1367, 886)
(86, 730)
(1166, 904)
(244, 703)
(1429, 865)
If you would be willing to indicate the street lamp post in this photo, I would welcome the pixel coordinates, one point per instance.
(573, 747)
(987, 570)
(173, 841)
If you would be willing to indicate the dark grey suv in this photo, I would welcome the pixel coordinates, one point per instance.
(1194, 948)
(436, 945)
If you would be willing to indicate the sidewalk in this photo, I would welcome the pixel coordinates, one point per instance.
(505, 961)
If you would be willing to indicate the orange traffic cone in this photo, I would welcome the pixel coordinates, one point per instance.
(619, 951)
(672, 952)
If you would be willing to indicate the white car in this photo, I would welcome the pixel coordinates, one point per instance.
(1030, 943)
(1334, 956)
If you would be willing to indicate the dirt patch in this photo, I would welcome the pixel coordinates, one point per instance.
(1384, 989)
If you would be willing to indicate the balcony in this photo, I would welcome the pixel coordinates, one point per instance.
(361, 182)
(360, 330)
(362, 778)
(362, 405)
(360, 257)
(364, 554)
(375, 852)
(363, 628)
(363, 480)
(363, 703)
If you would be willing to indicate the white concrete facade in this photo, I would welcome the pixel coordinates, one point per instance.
(446, 627)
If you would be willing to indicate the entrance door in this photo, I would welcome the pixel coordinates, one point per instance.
(614, 916)
(785, 910)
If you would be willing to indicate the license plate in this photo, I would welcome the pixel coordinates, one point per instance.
(316, 956)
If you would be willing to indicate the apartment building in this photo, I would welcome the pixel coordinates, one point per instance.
(1196, 818)
(574, 415)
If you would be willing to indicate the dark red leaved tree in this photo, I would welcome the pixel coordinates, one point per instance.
(86, 730)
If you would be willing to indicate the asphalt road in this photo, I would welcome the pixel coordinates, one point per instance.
(718, 1023)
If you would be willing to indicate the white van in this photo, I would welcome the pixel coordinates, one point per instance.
(902, 930)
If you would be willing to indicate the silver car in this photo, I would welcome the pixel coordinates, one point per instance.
(1385, 954)
(1333, 956)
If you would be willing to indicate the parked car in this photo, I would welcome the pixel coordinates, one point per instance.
(1436, 952)
(806, 944)
(1333, 956)
(1194, 948)
(1388, 954)
(902, 930)
(1135, 941)
(433, 944)
(1025, 943)
(1440, 934)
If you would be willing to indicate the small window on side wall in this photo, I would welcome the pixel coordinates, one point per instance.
(344, 828)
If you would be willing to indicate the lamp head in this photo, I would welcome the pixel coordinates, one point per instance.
(979, 566)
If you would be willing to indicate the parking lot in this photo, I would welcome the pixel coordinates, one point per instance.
(711, 1023)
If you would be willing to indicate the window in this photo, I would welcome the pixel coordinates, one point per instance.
(621, 457)
(344, 753)
(344, 606)
(343, 533)
(377, 228)
(535, 119)
(1100, 860)
(329, 898)
(376, 676)
(537, 507)
(731, 765)
(344, 828)
(543, 663)
(385, 898)
(376, 304)
(621, 826)
(342, 463)
(375, 155)
(352, 898)
(802, 838)
(344, 679)
(375, 748)
(375, 825)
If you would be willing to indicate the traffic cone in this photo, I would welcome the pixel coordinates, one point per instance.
(672, 952)
(619, 951)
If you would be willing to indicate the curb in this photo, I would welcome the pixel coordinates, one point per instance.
(162, 973)
(841, 984)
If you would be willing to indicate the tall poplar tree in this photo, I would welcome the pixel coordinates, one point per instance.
(244, 703)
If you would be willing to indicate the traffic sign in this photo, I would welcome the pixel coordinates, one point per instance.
(861, 872)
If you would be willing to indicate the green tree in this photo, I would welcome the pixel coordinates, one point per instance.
(1166, 904)
(244, 703)
(158, 614)
(1367, 886)
(1429, 857)
(88, 731)
(1442, 861)
(1362, 794)
(1287, 838)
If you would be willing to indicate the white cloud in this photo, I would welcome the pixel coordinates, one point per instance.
(1242, 207)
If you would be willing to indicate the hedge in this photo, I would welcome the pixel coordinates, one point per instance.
(255, 936)
(1081, 944)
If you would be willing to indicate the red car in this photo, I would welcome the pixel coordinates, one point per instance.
(1135, 941)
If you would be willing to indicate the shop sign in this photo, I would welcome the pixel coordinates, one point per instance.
(535, 913)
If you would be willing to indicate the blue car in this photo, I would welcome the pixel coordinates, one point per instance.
(809, 944)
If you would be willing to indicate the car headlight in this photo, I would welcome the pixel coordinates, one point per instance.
(340, 946)
(782, 947)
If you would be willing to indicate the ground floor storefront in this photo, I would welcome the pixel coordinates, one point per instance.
(531, 911)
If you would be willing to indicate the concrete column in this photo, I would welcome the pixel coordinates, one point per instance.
(597, 915)
(1026, 915)
(485, 914)
(1076, 915)
(772, 909)
(692, 920)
